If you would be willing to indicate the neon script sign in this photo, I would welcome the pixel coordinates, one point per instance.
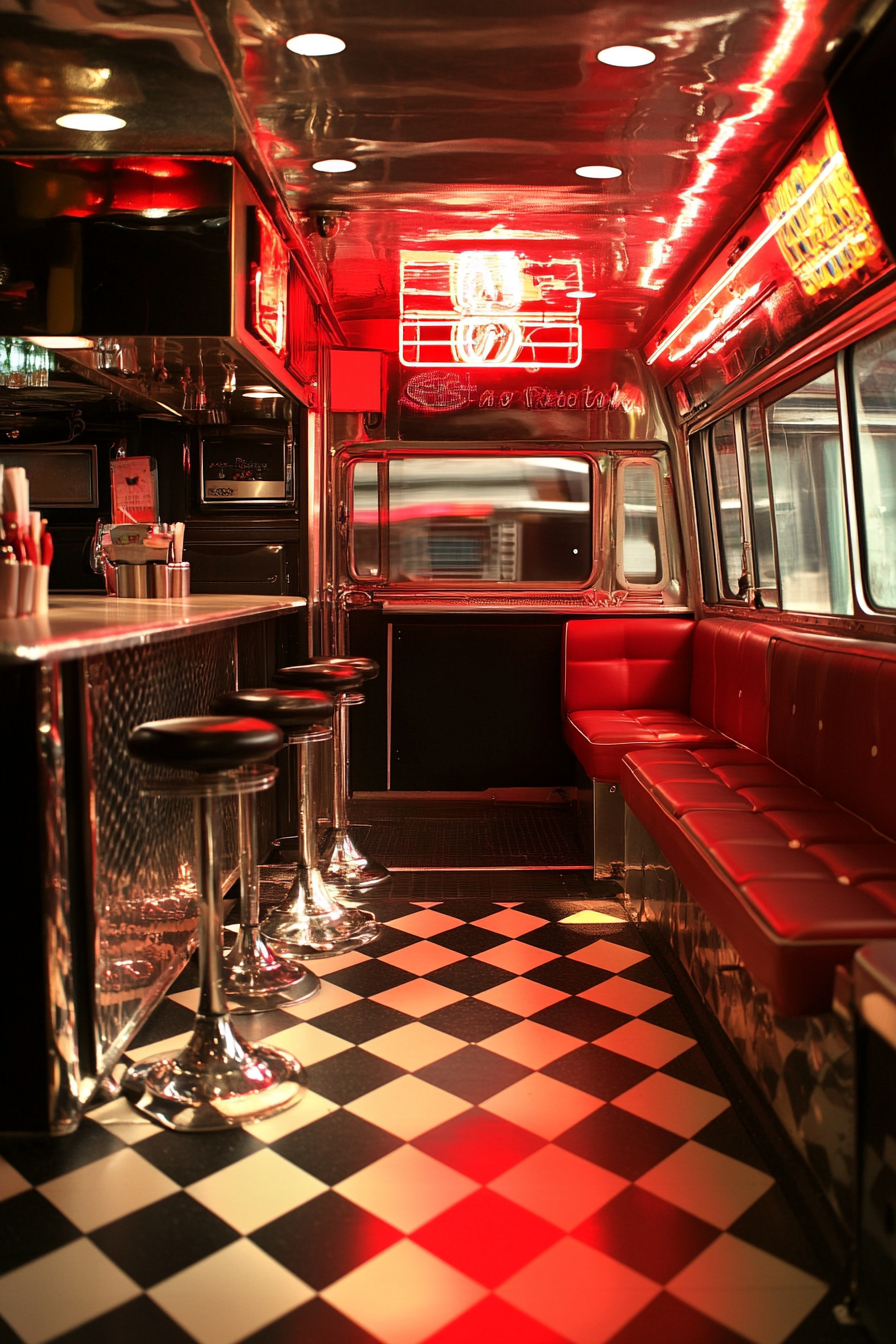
(440, 394)
(269, 279)
(489, 309)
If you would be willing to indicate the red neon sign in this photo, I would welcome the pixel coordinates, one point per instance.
(268, 280)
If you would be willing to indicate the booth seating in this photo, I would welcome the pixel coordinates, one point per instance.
(780, 821)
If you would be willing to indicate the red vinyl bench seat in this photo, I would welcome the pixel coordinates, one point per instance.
(780, 824)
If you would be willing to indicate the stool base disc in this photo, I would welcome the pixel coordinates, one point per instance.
(256, 980)
(218, 1081)
(343, 865)
(305, 933)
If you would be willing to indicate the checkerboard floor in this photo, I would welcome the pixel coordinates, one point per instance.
(510, 1134)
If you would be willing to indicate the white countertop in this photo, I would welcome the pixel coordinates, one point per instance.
(80, 625)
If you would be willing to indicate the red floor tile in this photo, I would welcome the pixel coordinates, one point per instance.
(480, 1145)
(647, 1234)
(492, 1321)
(487, 1237)
(668, 1321)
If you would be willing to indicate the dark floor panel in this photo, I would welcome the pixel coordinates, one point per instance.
(452, 835)
(572, 885)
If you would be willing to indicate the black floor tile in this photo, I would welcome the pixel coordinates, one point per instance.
(186, 1162)
(726, 1134)
(470, 1020)
(469, 976)
(468, 939)
(772, 1225)
(602, 1073)
(473, 1074)
(471, 908)
(620, 1142)
(314, 1323)
(369, 977)
(668, 1014)
(255, 1026)
(336, 1146)
(30, 1226)
(41, 1158)
(693, 1067)
(647, 973)
(325, 1238)
(137, 1322)
(561, 938)
(350, 1074)
(167, 1019)
(361, 1021)
(388, 940)
(668, 1320)
(581, 1018)
(164, 1238)
(571, 976)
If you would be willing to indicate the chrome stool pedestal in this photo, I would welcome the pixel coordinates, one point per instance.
(342, 863)
(312, 921)
(256, 979)
(218, 1080)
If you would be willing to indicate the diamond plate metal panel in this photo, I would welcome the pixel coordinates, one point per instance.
(144, 896)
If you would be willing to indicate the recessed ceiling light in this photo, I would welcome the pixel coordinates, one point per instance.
(156, 214)
(581, 294)
(627, 57)
(266, 396)
(90, 121)
(598, 170)
(62, 342)
(315, 44)
(334, 166)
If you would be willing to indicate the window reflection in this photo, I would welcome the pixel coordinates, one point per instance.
(874, 374)
(807, 489)
(640, 561)
(729, 510)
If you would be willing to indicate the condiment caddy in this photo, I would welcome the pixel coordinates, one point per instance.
(26, 549)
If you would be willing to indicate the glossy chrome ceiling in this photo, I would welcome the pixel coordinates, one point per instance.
(466, 119)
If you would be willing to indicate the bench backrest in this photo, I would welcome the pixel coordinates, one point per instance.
(731, 680)
(627, 663)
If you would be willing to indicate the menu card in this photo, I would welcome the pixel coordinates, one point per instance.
(135, 490)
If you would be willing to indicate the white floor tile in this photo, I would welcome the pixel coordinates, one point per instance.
(11, 1183)
(328, 997)
(531, 1044)
(407, 1107)
(312, 1107)
(642, 1041)
(748, 1290)
(403, 1295)
(230, 1295)
(413, 1046)
(510, 923)
(308, 1043)
(329, 965)
(425, 923)
(711, 1185)
(516, 957)
(108, 1189)
(626, 996)
(542, 1105)
(417, 997)
(559, 1186)
(421, 958)
(255, 1191)
(124, 1121)
(579, 1292)
(593, 917)
(674, 1105)
(62, 1290)
(160, 1049)
(608, 956)
(521, 996)
(406, 1188)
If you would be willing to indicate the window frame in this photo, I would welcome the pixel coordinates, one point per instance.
(622, 465)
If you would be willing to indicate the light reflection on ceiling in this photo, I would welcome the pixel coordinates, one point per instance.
(466, 121)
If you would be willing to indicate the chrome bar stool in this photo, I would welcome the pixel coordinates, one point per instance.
(342, 863)
(311, 922)
(218, 1080)
(256, 979)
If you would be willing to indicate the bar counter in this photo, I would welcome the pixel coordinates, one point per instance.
(96, 875)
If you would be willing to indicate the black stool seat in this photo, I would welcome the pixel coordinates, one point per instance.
(293, 711)
(366, 666)
(207, 744)
(324, 676)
